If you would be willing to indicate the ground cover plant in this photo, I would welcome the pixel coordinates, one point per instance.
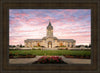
(51, 52)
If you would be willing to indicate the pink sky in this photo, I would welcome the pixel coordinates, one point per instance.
(67, 23)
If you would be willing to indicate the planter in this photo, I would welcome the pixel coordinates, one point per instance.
(23, 56)
(11, 56)
(49, 60)
(75, 56)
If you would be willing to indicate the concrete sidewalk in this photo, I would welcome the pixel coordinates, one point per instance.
(23, 60)
(76, 60)
(31, 60)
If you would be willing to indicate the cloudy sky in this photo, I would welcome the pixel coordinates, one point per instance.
(32, 23)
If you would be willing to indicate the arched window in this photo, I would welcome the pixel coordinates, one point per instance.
(72, 45)
(38, 44)
(49, 44)
(68, 44)
(61, 44)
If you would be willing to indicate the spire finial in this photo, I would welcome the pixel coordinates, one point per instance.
(49, 23)
(49, 20)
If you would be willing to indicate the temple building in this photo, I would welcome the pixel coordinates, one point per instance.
(49, 41)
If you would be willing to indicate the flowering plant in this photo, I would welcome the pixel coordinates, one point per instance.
(50, 60)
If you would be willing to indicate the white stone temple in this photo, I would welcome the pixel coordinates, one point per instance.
(49, 41)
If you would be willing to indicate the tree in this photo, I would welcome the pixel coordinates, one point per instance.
(10, 45)
(89, 45)
(78, 46)
(20, 45)
(13, 46)
(86, 46)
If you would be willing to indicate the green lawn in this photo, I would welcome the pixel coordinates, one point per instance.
(51, 52)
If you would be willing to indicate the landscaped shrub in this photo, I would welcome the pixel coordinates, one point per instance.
(39, 49)
(66, 48)
(19, 55)
(50, 60)
(33, 49)
(61, 48)
(11, 55)
(77, 56)
(52, 52)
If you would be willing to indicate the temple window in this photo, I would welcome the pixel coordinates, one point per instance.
(38, 44)
(61, 44)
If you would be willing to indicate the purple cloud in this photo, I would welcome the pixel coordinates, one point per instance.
(32, 23)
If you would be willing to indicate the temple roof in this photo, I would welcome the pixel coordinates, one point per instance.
(68, 40)
(44, 38)
(28, 40)
(55, 38)
(33, 39)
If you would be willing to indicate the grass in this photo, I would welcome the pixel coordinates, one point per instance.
(51, 52)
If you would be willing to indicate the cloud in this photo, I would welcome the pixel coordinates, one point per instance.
(67, 24)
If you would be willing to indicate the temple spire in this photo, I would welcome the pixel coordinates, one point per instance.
(49, 30)
(49, 26)
(49, 23)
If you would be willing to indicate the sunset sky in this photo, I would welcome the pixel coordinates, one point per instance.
(67, 24)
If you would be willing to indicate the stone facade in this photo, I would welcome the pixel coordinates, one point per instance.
(49, 41)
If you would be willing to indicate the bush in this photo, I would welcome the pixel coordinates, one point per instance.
(77, 56)
(62, 48)
(39, 48)
(25, 55)
(50, 60)
(33, 49)
(66, 48)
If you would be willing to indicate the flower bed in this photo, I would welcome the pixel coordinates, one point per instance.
(77, 56)
(16, 55)
(62, 48)
(50, 60)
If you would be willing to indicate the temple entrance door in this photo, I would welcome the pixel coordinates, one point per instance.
(49, 44)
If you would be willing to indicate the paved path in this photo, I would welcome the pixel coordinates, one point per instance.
(76, 60)
(67, 60)
(23, 60)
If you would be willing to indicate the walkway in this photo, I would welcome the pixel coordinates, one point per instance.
(67, 60)
(23, 60)
(76, 60)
